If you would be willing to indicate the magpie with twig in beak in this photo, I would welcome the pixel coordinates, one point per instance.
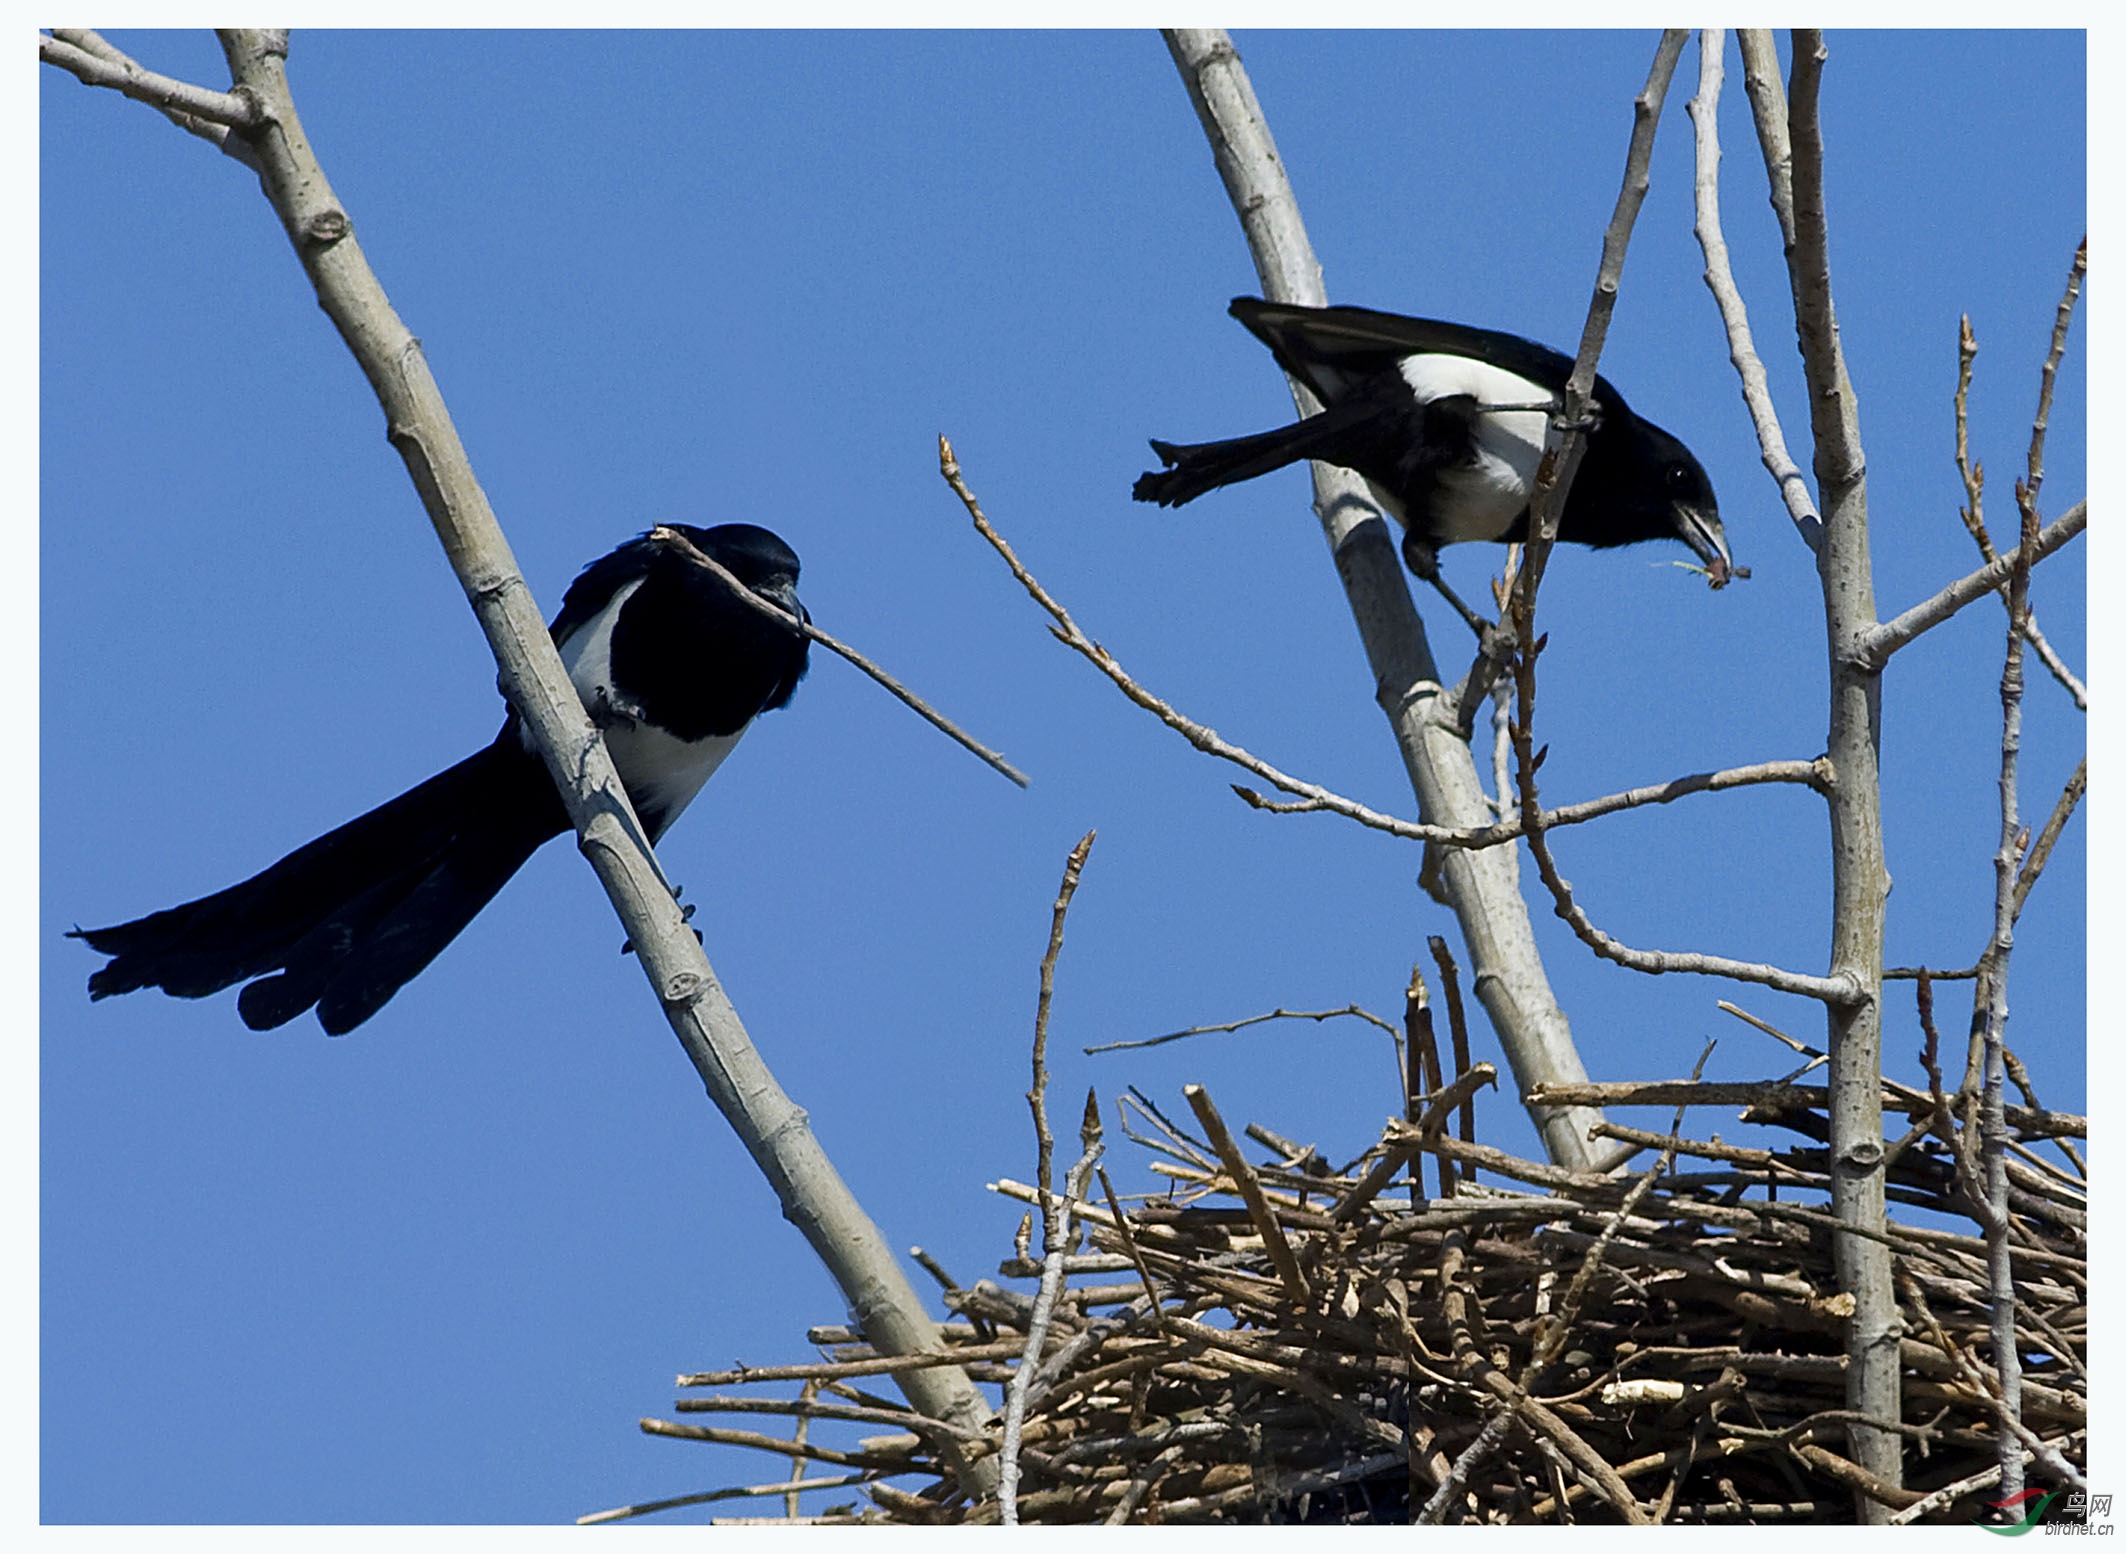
(1446, 423)
(671, 665)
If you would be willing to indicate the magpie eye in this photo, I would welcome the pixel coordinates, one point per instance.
(1679, 480)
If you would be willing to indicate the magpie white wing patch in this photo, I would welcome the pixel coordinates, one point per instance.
(587, 652)
(1481, 500)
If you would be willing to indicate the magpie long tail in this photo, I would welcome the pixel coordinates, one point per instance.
(345, 921)
(1204, 466)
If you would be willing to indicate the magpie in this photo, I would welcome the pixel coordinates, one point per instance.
(1446, 424)
(670, 665)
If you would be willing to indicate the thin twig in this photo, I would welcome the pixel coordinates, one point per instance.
(1316, 1015)
(2041, 849)
(1814, 774)
(1205, 739)
(1313, 797)
(1973, 475)
(812, 633)
(1037, 1097)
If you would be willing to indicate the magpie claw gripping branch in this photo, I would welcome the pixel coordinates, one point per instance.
(1447, 425)
(344, 922)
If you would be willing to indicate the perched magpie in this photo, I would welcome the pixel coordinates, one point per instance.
(1446, 424)
(670, 665)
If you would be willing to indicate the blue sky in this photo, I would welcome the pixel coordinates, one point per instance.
(435, 1270)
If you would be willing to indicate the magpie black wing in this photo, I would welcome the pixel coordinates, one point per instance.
(1328, 348)
(596, 584)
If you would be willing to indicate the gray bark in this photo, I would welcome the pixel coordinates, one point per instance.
(1860, 878)
(1483, 888)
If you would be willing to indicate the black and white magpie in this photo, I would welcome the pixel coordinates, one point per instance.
(670, 665)
(1446, 424)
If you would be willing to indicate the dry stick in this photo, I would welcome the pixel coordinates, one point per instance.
(2060, 325)
(749, 1492)
(1860, 880)
(1421, 1076)
(1482, 888)
(1942, 1498)
(1458, 1032)
(773, 1129)
(760, 606)
(834, 1370)
(886, 1462)
(1141, 1485)
(1427, 1133)
(1472, 1457)
(800, 1436)
(1250, 1191)
(1058, 1226)
(1550, 1343)
(1316, 1015)
(1720, 278)
(1129, 1242)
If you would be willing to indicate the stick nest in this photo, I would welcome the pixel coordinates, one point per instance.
(1663, 1343)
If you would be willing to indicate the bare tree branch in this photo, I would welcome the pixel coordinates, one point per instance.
(774, 1130)
(1037, 1097)
(1314, 798)
(1720, 278)
(1814, 774)
(198, 110)
(1859, 874)
(1767, 94)
(2000, 1264)
(1872, 648)
(1058, 1237)
(1974, 474)
(1482, 887)
(1553, 480)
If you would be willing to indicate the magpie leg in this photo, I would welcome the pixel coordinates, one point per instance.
(1423, 560)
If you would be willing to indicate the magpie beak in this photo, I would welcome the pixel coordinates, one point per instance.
(1447, 425)
(670, 665)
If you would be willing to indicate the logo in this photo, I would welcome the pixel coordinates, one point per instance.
(2031, 1517)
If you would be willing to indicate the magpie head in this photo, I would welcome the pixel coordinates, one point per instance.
(757, 557)
(1675, 497)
